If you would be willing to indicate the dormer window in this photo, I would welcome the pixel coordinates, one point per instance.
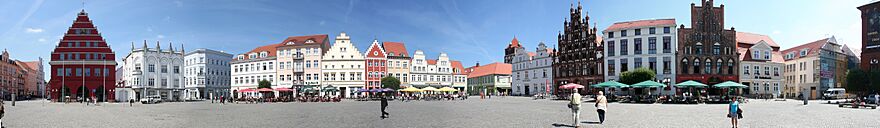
(310, 41)
(756, 54)
(804, 52)
(240, 57)
(290, 43)
(767, 55)
(252, 55)
(263, 54)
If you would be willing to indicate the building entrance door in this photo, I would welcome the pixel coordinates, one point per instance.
(527, 92)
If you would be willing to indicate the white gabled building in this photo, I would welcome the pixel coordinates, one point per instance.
(154, 72)
(251, 67)
(532, 71)
(206, 74)
(762, 63)
(343, 67)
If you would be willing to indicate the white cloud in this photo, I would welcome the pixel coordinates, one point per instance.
(33, 30)
(42, 39)
(160, 36)
(178, 3)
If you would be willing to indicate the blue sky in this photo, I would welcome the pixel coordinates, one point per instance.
(468, 30)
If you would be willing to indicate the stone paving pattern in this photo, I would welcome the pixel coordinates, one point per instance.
(508, 112)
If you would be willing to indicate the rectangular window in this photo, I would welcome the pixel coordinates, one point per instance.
(106, 71)
(164, 69)
(666, 30)
(638, 62)
(622, 33)
(611, 68)
(667, 67)
(652, 45)
(637, 48)
(610, 34)
(151, 68)
(638, 32)
(68, 72)
(652, 63)
(78, 71)
(652, 30)
(610, 48)
(667, 42)
(59, 72)
(98, 72)
(88, 72)
(623, 47)
(623, 65)
(176, 69)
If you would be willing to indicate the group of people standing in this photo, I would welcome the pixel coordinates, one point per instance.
(734, 112)
(575, 105)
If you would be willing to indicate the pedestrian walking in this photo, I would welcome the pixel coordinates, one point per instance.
(130, 102)
(733, 111)
(877, 99)
(575, 105)
(601, 106)
(384, 105)
(2, 112)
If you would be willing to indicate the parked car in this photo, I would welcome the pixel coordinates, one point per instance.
(151, 100)
(870, 99)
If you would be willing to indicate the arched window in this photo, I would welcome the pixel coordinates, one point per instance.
(698, 49)
(696, 66)
(730, 64)
(684, 66)
(716, 49)
(708, 69)
(719, 65)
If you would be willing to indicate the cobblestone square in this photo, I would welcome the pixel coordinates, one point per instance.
(511, 112)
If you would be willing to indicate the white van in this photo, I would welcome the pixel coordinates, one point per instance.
(834, 93)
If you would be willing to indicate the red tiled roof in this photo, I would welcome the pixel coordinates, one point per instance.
(532, 54)
(432, 62)
(640, 23)
(514, 43)
(813, 46)
(301, 40)
(33, 65)
(777, 57)
(457, 66)
(270, 49)
(743, 53)
(489, 69)
(399, 49)
(752, 38)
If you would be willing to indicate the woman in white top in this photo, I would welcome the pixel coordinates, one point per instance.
(601, 106)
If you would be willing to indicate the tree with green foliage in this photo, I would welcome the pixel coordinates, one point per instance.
(264, 84)
(862, 82)
(637, 75)
(390, 82)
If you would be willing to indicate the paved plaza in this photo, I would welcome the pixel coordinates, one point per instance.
(509, 112)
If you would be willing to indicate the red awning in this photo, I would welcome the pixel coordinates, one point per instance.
(264, 90)
(247, 90)
(283, 89)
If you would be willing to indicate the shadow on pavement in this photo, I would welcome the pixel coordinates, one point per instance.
(591, 122)
(562, 125)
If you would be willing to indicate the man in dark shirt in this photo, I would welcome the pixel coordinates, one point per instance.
(384, 105)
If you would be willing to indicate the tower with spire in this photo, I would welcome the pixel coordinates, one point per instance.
(579, 52)
(511, 50)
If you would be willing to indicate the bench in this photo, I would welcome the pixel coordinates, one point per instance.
(857, 105)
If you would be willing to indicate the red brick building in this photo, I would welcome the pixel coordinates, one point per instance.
(706, 51)
(579, 58)
(375, 61)
(870, 59)
(12, 77)
(82, 64)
